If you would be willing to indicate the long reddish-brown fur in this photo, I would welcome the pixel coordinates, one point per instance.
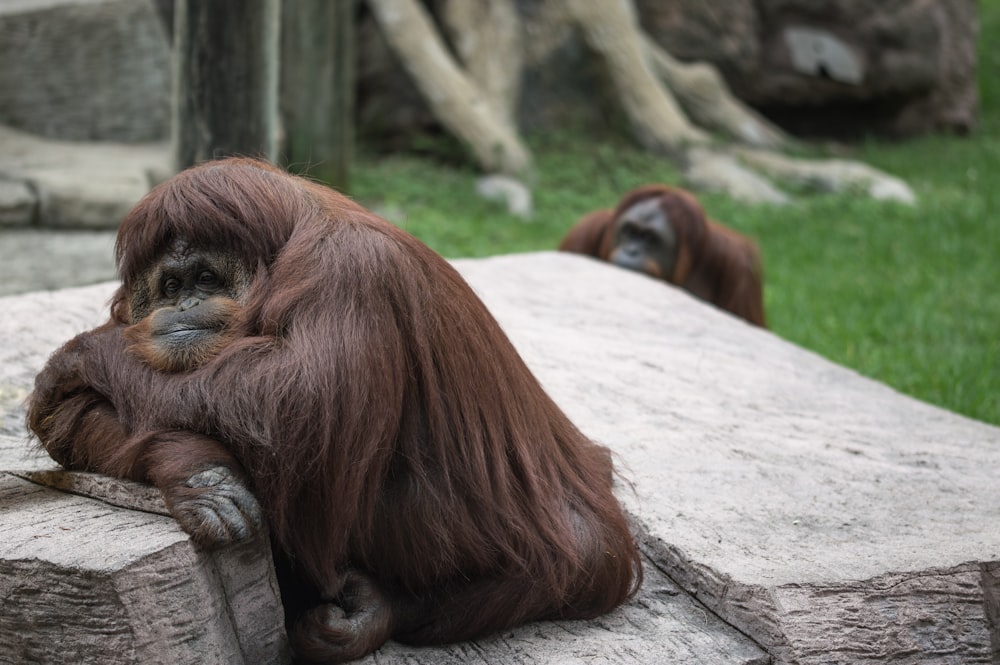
(383, 419)
(714, 262)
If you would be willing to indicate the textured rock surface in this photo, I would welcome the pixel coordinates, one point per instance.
(33, 326)
(829, 517)
(82, 581)
(54, 183)
(34, 259)
(897, 66)
(85, 69)
(826, 516)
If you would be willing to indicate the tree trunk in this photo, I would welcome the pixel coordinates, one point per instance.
(705, 97)
(225, 79)
(486, 35)
(455, 100)
(488, 38)
(829, 175)
(611, 29)
(317, 88)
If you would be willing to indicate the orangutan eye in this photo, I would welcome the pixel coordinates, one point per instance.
(171, 286)
(208, 280)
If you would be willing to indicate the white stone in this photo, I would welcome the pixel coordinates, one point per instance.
(819, 53)
(509, 191)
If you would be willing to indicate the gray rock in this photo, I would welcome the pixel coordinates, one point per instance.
(88, 582)
(85, 70)
(818, 53)
(661, 625)
(80, 185)
(18, 204)
(32, 327)
(821, 514)
(31, 259)
(834, 68)
(511, 192)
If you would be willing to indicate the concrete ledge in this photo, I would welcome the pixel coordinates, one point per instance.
(35, 259)
(824, 515)
(65, 184)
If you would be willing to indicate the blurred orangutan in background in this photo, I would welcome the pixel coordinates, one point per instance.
(662, 231)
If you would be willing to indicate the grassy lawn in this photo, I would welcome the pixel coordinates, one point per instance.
(909, 296)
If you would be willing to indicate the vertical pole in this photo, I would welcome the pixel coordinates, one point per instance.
(225, 79)
(317, 88)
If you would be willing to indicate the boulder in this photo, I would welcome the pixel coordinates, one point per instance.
(85, 70)
(789, 509)
(110, 578)
(835, 68)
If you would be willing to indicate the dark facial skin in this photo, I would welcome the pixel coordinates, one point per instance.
(183, 307)
(645, 240)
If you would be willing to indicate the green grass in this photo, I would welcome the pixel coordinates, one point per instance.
(909, 296)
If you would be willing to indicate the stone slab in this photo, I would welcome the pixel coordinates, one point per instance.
(33, 259)
(85, 581)
(75, 184)
(18, 204)
(827, 516)
(662, 622)
(661, 625)
(822, 514)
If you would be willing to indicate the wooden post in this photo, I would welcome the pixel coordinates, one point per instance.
(225, 79)
(317, 88)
